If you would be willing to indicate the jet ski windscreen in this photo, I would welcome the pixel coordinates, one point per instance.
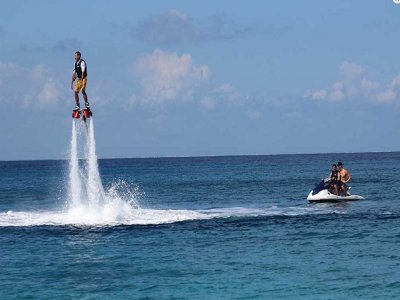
(319, 187)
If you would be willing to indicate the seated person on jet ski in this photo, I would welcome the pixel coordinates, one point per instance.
(344, 178)
(334, 180)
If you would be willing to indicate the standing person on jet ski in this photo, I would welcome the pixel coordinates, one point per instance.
(334, 180)
(344, 178)
(80, 72)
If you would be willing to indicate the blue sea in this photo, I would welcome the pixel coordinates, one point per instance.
(231, 227)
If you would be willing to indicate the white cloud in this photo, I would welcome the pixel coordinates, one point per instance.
(350, 71)
(9, 69)
(68, 44)
(49, 95)
(28, 86)
(225, 88)
(338, 92)
(177, 14)
(291, 115)
(354, 84)
(254, 114)
(369, 85)
(208, 102)
(166, 76)
(396, 82)
(171, 27)
(9, 72)
(38, 72)
(223, 94)
(386, 96)
(227, 93)
(315, 94)
(175, 27)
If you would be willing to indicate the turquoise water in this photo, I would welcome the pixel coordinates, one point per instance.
(202, 228)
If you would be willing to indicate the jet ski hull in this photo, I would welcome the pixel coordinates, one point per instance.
(326, 196)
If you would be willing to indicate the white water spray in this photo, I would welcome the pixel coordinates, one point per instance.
(95, 190)
(88, 202)
(75, 187)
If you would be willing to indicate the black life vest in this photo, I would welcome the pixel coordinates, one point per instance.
(78, 69)
(334, 176)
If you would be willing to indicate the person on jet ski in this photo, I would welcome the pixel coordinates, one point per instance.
(334, 180)
(344, 178)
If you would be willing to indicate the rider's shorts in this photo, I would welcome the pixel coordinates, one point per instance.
(80, 84)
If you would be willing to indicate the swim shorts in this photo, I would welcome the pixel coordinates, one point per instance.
(80, 84)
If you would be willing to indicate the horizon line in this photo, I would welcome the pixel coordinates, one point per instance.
(205, 156)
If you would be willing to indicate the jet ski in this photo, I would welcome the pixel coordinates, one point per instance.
(321, 193)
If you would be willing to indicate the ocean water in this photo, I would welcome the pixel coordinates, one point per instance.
(235, 227)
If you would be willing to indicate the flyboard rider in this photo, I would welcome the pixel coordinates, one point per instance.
(79, 73)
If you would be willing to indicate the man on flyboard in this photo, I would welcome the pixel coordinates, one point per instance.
(80, 73)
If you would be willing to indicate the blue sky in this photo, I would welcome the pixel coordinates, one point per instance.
(186, 78)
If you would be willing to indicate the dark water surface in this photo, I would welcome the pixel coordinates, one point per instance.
(206, 228)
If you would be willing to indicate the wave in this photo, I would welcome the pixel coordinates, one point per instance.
(118, 213)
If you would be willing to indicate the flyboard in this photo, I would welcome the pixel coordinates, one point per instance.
(85, 113)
